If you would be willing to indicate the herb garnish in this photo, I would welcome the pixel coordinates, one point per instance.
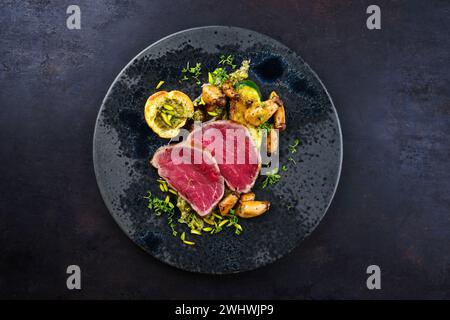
(162, 206)
(195, 72)
(271, 178)
(293, 147)
(218, 76)
(227, 60)
(284, 168)
(266, 126)
(292, 160)
(233, 220)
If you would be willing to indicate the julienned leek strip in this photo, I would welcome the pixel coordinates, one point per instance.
(159, 84)
(183, 238)
(224, 222)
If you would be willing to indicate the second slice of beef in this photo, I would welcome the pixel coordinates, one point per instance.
(238, 158)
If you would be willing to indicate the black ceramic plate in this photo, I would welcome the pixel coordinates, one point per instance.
(123, 145)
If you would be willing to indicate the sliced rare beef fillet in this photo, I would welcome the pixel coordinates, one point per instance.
(233, 148)
(193, 173)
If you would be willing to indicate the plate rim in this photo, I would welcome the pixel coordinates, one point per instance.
(298, 56)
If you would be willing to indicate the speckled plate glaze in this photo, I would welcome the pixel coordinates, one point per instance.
(123, 145)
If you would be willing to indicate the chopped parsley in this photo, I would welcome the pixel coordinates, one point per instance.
(266, 126)
(293, 147)
(292, 160)
(227, 60)
(233, 221)
(218, 76)
(162, 206)
(189, 72)
(271, 178)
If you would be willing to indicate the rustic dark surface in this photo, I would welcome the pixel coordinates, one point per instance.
(390, 88)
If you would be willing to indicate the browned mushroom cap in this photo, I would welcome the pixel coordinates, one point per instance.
(210, 107)
(249, 196)
(276, 98)
(212, 95)
(279, 118)
(260, 113)
(229, 91)
(228, 203)
(251, 209)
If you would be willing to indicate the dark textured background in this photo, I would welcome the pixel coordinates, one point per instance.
(390, 88)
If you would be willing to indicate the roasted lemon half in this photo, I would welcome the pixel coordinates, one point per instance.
(166, 112)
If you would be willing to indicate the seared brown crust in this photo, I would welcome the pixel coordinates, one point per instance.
(228, 203)
(260, 113)
(229, 91)
(212, 95)
(249, 196)
(251, 209)
(210, 107)
(276, 98)
(279, 119)
(279, 116)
